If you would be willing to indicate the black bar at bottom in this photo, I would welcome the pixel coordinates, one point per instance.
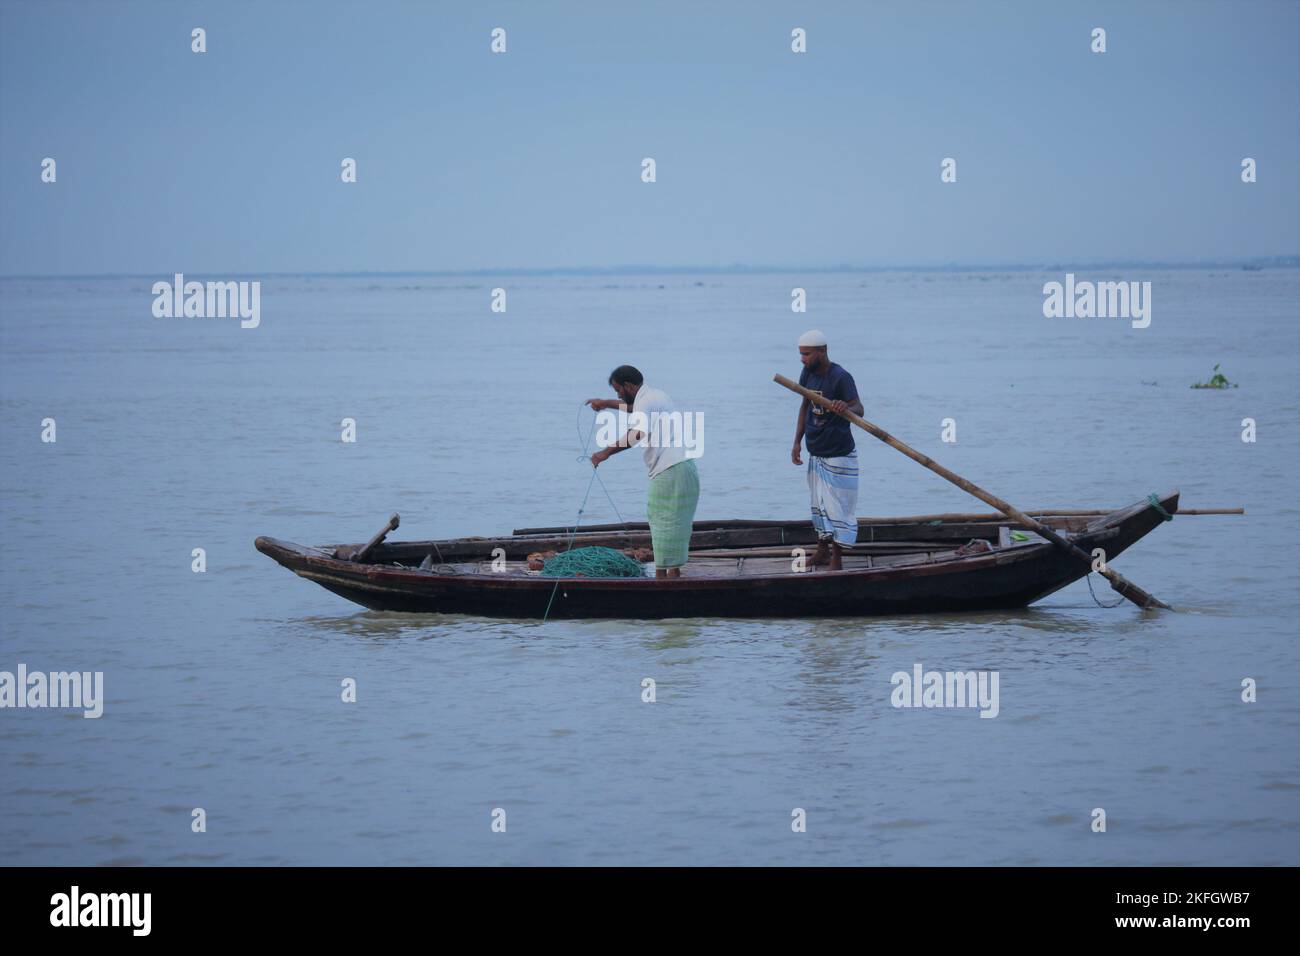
(331, 905)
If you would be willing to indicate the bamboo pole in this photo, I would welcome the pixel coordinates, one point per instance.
(974, 516)
(1117, 581)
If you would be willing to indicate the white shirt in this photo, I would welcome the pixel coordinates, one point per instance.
(655, 416)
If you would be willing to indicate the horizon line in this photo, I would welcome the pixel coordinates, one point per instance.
(1055, 265)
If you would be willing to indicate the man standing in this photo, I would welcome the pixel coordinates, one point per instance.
(832, 456)
(674, 480)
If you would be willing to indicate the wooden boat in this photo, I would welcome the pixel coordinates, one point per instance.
(736, 569)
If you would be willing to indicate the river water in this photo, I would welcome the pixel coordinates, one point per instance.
(223, 688)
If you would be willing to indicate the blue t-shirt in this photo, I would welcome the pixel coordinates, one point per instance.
(828, 435)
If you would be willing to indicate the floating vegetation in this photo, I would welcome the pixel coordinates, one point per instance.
(1218, 380)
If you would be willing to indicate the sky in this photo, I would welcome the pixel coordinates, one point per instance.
(228, 161)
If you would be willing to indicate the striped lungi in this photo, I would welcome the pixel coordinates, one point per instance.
(670, 509)
(833, 486)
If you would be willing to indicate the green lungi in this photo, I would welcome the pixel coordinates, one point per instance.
(670, 508)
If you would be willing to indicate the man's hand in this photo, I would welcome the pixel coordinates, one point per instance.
(794, 455)
(598, 457)
(839, 406)
(601, 403)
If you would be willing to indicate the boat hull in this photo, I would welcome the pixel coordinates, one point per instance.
(1001, 579)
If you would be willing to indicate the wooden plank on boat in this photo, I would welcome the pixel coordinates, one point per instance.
(886, 537)
(1044, 515)
(361, 555)
(791, 532)
(901, 547)
(516, 547)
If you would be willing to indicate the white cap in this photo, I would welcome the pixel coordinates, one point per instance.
(813, 339)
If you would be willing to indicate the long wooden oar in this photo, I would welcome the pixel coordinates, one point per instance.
(1117, 581)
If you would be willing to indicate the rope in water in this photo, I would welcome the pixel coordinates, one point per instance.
(1098, 600)
(582, 508)
(1154, 501)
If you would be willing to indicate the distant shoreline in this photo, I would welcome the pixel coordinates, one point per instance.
(1260, 262)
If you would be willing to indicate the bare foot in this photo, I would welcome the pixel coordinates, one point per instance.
(837, 564)
(821, 556)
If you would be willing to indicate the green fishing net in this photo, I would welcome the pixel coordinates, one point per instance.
(592, 563)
